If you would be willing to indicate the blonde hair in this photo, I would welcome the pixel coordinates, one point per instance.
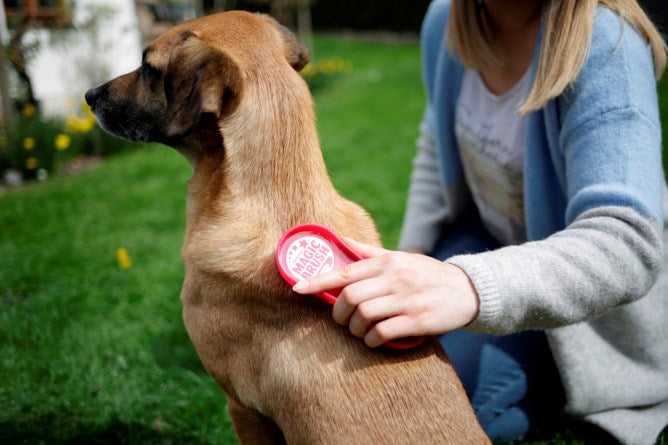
(566, 35)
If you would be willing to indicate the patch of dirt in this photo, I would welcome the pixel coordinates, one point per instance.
(71, 167)
(80, 163)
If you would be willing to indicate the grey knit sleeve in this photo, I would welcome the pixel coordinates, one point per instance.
(425, 210)
(607, 257)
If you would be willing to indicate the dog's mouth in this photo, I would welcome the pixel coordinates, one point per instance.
(126, 122)
(124, 119)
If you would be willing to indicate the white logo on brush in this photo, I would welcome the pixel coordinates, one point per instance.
(309, 256)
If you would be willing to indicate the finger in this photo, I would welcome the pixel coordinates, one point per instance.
(354, 294)
(389, 329)
(338, 278)
(363, 249)
(371, 311)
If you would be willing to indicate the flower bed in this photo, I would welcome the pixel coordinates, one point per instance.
(35, 146)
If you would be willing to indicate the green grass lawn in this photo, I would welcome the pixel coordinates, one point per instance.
(93, 353)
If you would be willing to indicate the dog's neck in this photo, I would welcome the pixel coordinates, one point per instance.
(270, 176)
(272, 140)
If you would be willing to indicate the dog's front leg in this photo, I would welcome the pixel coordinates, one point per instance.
(252, 427)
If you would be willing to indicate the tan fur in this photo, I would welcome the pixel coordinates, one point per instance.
(289, 371)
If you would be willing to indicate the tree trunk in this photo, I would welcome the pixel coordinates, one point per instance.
(16, 57)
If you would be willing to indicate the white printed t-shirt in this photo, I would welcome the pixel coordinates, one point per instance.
(490, 136)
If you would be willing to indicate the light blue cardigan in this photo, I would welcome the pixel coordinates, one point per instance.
(591, 273)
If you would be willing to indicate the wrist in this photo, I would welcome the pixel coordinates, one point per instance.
(471, 298)
(493, 307)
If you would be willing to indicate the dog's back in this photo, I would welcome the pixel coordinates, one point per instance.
(294, 374)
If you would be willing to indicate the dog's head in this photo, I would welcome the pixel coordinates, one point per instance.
(194, 75)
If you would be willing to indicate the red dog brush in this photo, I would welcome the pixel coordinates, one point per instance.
(308, 250)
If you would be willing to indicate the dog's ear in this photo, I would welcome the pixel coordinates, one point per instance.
(199, 79)
(295, 52)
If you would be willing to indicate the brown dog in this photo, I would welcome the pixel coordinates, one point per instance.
(224, 91)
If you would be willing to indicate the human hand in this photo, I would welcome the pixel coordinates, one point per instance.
(392, 294)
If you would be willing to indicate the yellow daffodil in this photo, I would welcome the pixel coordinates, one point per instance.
(308, 70)
(75, 124)
(86, 125)
(28, 143)
(123, 258)
(28, 110)
(62, 142)
(71, 124)
(326, 68)
(343, 66)
(88, 113)
(31, 163)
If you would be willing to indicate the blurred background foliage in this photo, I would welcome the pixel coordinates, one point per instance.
(28, 148)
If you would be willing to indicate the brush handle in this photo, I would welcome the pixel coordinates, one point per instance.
(308, 250)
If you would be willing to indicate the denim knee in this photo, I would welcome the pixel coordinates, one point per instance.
(498, 394)
(511, 380)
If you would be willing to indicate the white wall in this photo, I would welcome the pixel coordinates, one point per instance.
(61, 73)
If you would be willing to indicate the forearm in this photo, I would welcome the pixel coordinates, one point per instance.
(607, 257)
(425, 209)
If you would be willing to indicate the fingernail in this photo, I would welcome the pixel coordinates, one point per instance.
(300, 286)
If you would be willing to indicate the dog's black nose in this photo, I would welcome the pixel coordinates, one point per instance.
(93, 94)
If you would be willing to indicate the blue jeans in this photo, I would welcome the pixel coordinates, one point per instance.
(511, 380)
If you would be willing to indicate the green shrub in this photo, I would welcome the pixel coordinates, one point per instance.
(319, 74)
(23, 147)
(37, 146)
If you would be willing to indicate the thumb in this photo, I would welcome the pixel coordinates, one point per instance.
(363, 249)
